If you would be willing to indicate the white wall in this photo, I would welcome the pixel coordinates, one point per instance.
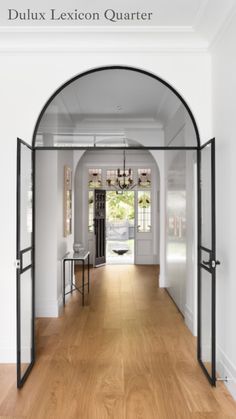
(46, 233)
(180, 234)
(224, 111)
(27, 80)
(176, 247)
(51, 244)
(64, 244)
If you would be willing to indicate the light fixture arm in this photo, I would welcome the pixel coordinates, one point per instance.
(125, 175)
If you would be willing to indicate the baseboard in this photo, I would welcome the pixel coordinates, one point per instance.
(7, 354)
(225, 368)
(60, 305)
(162, 281)
(188, 315)
(47, 308)
(156, 260)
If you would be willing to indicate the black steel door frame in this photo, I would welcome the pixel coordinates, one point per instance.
(162, 148)
(209, 266)
(19, 264)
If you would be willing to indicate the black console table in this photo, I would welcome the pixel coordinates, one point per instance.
(72, 258)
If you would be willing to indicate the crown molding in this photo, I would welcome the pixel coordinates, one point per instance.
(213, 18)
(128, 50)
(222, 29)
(200, 14)
(96, 29)
(68, 40)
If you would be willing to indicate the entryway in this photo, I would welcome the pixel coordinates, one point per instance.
(154, 117)
(130, 219)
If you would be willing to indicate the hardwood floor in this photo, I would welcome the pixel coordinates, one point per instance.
(127, 354)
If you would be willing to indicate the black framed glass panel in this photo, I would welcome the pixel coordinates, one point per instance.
(206, 260)
(25, 262)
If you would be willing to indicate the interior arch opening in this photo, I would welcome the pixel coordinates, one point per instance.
(132, 215)
(97, 115)
(84, 133)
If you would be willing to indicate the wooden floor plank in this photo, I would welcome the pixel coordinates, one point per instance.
(127, 354)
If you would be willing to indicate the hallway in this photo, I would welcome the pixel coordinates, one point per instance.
(126, 354)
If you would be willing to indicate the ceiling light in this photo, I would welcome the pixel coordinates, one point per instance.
(124, 177)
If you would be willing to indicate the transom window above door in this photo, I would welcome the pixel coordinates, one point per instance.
(108, 178)
(95, 178)
(144, 212)
(111, 178)
(119, 177)
(144, 178)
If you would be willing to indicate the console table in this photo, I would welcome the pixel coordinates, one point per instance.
(72, 258)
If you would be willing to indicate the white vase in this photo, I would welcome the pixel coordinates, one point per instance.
(77, 247)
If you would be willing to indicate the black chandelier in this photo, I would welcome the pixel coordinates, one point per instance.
(124, 177)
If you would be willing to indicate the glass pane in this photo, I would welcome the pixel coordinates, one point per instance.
(144, 178)
(26, 319)
(206, 319)
(111, 178)
(26, 259)
(176, 225)
(26, 198)
(205, 258)
(206, 197)
(90, 211)
(118, 93)
(71, 140)
(144, 211)
(95, 178)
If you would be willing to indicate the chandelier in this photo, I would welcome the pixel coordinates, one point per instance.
(124, 177)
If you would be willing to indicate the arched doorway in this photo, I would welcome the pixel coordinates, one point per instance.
(136, 105)
(128, 226)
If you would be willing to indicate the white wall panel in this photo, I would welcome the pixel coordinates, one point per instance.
(224, 111)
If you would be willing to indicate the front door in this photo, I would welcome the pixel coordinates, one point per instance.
(25, 262)
(207, 260)
(100, 226)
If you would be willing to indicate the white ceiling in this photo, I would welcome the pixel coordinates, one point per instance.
(113, 93)
(123, 96)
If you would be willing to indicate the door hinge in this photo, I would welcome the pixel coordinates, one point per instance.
(17, 263)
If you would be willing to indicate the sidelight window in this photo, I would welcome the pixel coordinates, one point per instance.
(144, 211)
(90, 211)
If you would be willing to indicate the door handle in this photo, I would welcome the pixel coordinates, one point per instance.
(212, 263)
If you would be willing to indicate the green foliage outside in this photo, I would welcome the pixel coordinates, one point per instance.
(120, 206)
